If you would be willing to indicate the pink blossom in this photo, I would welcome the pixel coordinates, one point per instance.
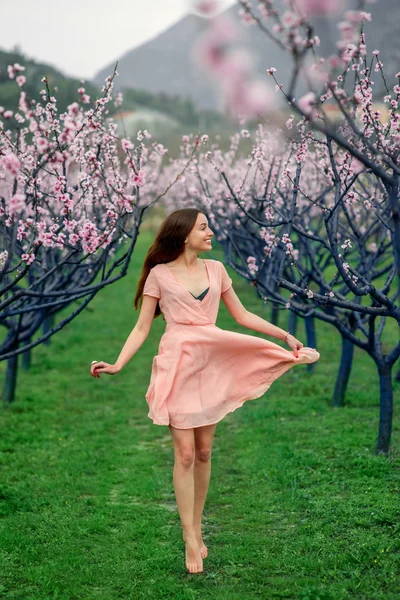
(8, 114)
(289, 19)
(126, 144)
(247, 18)
(257, 98)
(73, 238)
(357, 166)
(271, 70)
(21, 80)
(16, 204)
(252, 265)
(42, 144)
(11, 163)
(318, 7)
(139, 178)
(316, 74)
(209, 48)
(28, 258)
(307, 103)
(3, 258)
(206, 7)
(357, 16)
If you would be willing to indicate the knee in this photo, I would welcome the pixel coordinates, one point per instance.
(185, 457)
(203, 454)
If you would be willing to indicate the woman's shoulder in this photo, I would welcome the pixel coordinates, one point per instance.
(157, 267)
(217, 264)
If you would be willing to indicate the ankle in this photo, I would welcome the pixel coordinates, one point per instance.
(189, 531)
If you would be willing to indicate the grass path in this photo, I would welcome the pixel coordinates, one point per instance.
(299, 506)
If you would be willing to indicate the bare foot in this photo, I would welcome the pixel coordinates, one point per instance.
(194, 561)
(202, 546)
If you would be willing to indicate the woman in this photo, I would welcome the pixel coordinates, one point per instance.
(201, 372)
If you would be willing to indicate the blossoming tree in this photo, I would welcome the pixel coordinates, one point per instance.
(341, 194)
(307, 242)
(72, 198)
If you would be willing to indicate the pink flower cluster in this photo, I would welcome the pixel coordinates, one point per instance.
(252, 265)
(318, 7)
(65, 182)
(218, 52)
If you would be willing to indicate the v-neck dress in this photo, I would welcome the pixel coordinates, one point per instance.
(202, 372)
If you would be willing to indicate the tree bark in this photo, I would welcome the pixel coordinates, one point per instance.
(292, 324)
(274, 315)
(343, 375)
(311, 337)
(386, 408)
(26, 358)
(48, 324)
(10, 383)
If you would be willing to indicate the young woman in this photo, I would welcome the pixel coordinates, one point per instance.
(201, 372)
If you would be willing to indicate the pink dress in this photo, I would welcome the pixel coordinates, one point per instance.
(203, 372)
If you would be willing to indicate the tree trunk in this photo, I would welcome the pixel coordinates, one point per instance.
(26, 358)
(386, 409)
(343, 375)
(11, 380)
(48, 323)
(274, 315)
(292, 325)
(311, 337)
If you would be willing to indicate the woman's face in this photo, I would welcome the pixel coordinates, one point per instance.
(200, 236)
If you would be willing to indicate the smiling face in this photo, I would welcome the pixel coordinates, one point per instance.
(200, 236)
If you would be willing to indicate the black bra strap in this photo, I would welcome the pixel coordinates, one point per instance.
(201, 295)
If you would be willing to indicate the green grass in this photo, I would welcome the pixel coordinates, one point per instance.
(299, 506)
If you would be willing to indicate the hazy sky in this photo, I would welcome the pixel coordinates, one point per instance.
(82, 36)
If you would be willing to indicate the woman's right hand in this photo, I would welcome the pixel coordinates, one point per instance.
(103, 367)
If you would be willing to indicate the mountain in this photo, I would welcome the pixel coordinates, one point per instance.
(165, 64)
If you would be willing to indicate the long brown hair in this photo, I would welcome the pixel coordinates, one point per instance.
(168, 245)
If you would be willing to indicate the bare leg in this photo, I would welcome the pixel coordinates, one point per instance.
(203, 437)
(183, 440)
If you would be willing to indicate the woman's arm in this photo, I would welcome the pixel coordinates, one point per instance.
(136, 338)
(131, 346)
(252, 321)
(257, 323)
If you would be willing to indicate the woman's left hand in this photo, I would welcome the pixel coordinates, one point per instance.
(294, 343)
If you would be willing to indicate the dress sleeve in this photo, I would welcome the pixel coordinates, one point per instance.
(226, 281)
(151, 287)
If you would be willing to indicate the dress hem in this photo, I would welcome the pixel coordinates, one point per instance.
(240, 403)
